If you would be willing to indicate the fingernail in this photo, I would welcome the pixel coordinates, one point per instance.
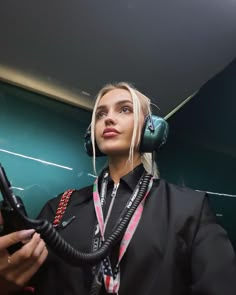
(26, 234)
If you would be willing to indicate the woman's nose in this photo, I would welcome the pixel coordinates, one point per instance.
(110, 119)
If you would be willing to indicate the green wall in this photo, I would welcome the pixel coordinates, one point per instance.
(201, 148)
(35, 129)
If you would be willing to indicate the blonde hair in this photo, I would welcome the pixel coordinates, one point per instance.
(141, 103)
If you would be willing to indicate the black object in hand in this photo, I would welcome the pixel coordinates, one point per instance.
(12, 221)
(11, 217)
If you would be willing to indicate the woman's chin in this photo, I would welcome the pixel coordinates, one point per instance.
(111, 152)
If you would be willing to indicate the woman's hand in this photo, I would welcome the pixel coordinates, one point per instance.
(17, 269)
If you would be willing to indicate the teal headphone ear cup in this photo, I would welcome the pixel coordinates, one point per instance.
(154, 134)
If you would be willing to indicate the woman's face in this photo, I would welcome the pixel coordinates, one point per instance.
(115, 122)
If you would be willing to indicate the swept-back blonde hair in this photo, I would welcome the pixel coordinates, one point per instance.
(141, 104)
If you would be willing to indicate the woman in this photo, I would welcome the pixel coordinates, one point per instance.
(173, 245)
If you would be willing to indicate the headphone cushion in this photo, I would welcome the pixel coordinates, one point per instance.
(154, 134)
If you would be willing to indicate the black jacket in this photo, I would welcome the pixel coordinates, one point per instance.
(177, 249)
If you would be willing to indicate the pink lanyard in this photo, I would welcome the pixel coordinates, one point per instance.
(112, 279)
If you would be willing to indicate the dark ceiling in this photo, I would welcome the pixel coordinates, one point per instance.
(168, 49)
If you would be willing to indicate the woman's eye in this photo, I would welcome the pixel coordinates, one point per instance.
(126, 109)
(100, 115)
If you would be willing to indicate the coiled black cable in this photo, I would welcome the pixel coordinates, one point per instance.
(74, 257)
(64, 250)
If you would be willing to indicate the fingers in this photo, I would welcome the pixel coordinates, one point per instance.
(27, 261)
(15, 237)
(26, 252)
(24, 262)
(8, 240)
(25, 273)
(23, 277)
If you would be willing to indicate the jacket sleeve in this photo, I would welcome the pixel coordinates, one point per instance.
(213, 257)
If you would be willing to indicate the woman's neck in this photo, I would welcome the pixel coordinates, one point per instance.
(118, 167)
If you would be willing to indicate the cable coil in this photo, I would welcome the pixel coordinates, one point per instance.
(72, 256)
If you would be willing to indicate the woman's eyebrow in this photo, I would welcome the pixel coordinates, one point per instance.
(102, 107)
(124, 101)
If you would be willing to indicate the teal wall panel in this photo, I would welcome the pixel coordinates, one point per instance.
(41, 146)
(201, 148)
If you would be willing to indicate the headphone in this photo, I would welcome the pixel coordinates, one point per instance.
(153, 136)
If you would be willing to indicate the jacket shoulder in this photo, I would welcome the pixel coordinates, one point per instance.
(182, 201)
(182, 192)
(78, 197)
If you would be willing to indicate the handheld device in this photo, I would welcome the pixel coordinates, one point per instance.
(12, 220)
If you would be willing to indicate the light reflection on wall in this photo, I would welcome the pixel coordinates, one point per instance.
(35, 159)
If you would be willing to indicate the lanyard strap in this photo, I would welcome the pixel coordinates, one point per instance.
(112, 279)
(99, 203)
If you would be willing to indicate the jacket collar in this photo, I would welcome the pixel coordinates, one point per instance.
(129, 179)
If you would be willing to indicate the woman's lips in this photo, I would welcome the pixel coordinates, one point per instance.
(110, 132)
